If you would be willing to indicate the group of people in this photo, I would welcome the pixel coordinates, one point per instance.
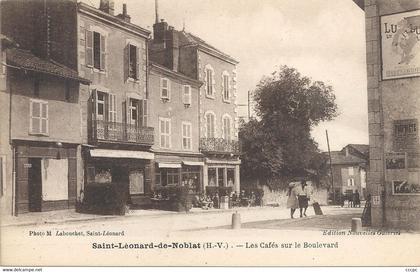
(299, 195)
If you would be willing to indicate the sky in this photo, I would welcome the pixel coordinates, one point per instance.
(322, 39)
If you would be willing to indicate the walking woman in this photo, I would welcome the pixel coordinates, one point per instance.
(303, 198)
(292, 200)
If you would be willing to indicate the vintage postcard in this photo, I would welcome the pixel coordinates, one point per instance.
(210, 133)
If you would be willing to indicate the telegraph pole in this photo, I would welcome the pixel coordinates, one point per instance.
(331, 169)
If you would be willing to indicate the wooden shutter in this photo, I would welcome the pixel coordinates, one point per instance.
(145, 114)
(89, 48)
(138, 67)
(44, 116)
(103, 52)
(126, 63)
(112, 111)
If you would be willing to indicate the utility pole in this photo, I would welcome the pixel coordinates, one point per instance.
(331, 169)
(249, 105)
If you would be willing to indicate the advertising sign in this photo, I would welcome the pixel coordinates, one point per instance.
(400, 37)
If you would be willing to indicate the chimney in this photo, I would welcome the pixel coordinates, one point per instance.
(159, 31)
(172, 49)
(107, 6)
(124, 16)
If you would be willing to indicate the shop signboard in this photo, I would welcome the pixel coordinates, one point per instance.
(400, 44)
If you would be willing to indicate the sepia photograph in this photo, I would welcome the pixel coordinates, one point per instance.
(203, 133)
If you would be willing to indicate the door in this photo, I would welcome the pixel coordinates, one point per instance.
(35, 185)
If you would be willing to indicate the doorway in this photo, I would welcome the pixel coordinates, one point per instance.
(35, 185)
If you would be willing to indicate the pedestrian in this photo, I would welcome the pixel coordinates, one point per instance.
(356, 199)
(292, 201)
(302, 198)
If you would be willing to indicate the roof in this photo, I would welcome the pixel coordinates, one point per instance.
(83, 7)
(362, 148)
(23, 59)
(339, 157)
(175, 74)
(187, 38)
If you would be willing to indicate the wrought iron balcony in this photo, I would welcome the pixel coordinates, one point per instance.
(104, 131)
(219, 145)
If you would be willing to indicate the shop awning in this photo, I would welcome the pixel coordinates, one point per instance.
(126, 154)
(193, 163)
(169, 165)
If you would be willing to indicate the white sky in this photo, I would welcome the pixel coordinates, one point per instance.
(323, 39)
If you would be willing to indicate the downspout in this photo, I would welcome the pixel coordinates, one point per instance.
(13, 147)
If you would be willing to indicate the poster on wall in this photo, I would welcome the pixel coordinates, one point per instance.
(55, 180)
(400, 37)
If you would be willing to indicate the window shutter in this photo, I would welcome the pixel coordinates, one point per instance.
(140, 110)
(112, 111)
(31, 120)
(126, 61)
(127, 110)
(106, 107)
(44, 117)
(138, 63)
(89, 48)
(145, 114)
(103, 52)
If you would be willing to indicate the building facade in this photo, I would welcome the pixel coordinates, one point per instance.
(112, 53)
(393, 58)
(189, 55)
(174, 97)
(349, 167)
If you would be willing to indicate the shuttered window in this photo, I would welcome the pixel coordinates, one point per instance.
(164, 88)
(165, 132)
(186, 136)
(133, 62)
(210, 125)
(186, 97)
(95, 50)
(38, 117)
(226, 129)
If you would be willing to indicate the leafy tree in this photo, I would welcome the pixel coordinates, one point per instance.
(279, 143)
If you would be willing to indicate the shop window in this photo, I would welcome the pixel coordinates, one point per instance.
(212, 176)
(221, 177)
(38, 117)
(191, 177)
(167, 176)
(136, 179)
(230, 177)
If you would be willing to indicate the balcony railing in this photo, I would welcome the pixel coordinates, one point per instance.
(219, 145)
(122, 133)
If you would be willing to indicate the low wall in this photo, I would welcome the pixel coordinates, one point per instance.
(279, 198)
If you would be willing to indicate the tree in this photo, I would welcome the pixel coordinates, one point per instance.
(279, 143)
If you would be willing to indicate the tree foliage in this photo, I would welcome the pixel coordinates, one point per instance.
(278, 142)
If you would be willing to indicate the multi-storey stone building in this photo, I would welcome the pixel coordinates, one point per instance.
(41, 131)
(83, 104)
(189, 55)
(349, 167)
(393, 69)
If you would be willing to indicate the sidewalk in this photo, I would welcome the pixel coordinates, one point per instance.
(249, 214)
